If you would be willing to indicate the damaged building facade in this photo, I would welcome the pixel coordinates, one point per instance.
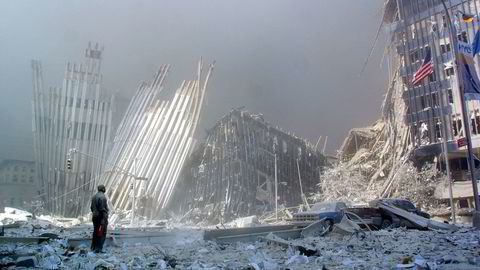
(243, 160)
(433, 110)
(78, 116)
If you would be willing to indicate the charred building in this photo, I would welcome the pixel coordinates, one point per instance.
(241, 163)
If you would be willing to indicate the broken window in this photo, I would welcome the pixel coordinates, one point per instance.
(437, 130)
(432, 77)
(474, 126)
(424, 133)
(444, 48)
(415, 56)
(454, 127)
(434, 99)
(463, 203)
(463, 37)
(414, 131)
(449, 72)
(423, 102)
(411, 30)
(450, 96)
(457, 127)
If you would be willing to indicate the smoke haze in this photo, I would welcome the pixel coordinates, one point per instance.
(297, 62)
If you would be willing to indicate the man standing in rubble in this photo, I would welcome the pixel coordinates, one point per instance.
(99, 209)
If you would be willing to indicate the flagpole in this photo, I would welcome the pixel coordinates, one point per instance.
(443, 97)
(466, 121)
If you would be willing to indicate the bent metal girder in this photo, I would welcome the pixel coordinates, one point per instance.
(153, 140)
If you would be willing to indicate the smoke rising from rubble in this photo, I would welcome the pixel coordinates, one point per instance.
(297, 63)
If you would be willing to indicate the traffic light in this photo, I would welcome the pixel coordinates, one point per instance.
(69, 164)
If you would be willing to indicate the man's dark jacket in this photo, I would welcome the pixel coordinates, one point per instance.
(99, 208)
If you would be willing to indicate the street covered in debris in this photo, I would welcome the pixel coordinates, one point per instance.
(179, 176)
(50, 243)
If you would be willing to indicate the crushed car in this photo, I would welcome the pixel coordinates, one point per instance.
(372, 215)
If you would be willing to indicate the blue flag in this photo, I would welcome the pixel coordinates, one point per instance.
(476, 43)
(470, 81)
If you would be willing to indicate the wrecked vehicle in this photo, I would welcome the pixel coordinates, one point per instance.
(365, 216)
(372, 215)
(391, 220)
(331, 211)
(376, 216)
(402, 204)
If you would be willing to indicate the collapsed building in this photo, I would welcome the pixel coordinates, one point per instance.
(152, 142)
(420, 122)
(76, 115)
(241, 167)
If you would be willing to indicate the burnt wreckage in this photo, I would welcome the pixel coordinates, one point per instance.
(233, 173)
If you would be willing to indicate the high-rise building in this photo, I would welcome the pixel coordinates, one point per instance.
(78, 116)
(433, 106)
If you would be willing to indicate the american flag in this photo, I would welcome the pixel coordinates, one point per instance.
(425, 69)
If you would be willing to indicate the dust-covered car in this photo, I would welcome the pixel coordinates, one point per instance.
(331, 211)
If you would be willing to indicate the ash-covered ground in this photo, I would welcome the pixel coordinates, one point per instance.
(184, 248)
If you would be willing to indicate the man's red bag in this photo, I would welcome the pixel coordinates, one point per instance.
(100, 231)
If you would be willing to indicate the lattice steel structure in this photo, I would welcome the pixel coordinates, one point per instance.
(76, 115)
(152, 142)
(233, 173)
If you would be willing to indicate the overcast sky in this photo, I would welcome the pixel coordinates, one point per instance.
(297, 62)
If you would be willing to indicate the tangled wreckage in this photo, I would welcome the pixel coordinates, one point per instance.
(248, 167)
(258, 185)
(27, 240)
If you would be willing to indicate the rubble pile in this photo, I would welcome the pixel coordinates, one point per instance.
(418, 185)
(376, 161)
(349, 184)
(343, 184)
(233, 173)
(385, 249)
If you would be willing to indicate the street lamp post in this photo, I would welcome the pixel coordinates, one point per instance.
(276, 181)
(276, 187)
(466, 125)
